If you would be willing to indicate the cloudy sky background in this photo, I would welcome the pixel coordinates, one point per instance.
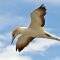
(16, 13)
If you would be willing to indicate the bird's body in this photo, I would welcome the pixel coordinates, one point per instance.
(35, 30)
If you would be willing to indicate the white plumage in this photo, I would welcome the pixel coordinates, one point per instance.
(35, 30)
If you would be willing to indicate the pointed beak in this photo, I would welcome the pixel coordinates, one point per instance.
(12, 39)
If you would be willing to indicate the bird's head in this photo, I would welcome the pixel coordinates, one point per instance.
(15, 33)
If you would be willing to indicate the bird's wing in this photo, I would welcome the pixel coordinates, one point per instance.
(37, 17)
(23, 41)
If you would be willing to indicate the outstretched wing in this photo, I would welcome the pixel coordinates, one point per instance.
(37, 17)
(22, 42)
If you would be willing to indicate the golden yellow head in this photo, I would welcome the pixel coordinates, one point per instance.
(15, 33)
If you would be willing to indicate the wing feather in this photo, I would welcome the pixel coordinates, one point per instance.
(22, 42)
(43, 22)
(37, 17)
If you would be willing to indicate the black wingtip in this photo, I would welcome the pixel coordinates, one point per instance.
(42, 7)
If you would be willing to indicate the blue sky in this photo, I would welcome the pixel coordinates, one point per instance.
(16, 13)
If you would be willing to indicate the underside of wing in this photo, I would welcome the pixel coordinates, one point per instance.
(22, 42)
(37, 17)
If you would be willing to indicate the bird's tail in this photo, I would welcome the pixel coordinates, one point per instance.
(51, 36)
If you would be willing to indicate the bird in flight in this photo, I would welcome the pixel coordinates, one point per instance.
(35, 29)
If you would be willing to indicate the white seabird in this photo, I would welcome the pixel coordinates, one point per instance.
(35, 30)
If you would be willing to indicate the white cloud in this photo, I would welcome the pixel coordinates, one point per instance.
(54, 1)
(44, 1)
(2, 37)
(56, 58)
(40, 45)
(12, 22)
(1, 44)
(9, 53)
(5, 36)
(30, 1)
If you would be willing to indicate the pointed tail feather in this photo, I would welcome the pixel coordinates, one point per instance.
(50, 36)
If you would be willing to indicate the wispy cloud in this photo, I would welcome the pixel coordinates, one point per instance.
(56, 58)
(9, 53)
(1, 44)
(8, 23)
(44, 1)
(2, 36)
(36, 46)
(40, 45)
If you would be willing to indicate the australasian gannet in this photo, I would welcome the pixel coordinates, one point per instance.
(35, 30)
